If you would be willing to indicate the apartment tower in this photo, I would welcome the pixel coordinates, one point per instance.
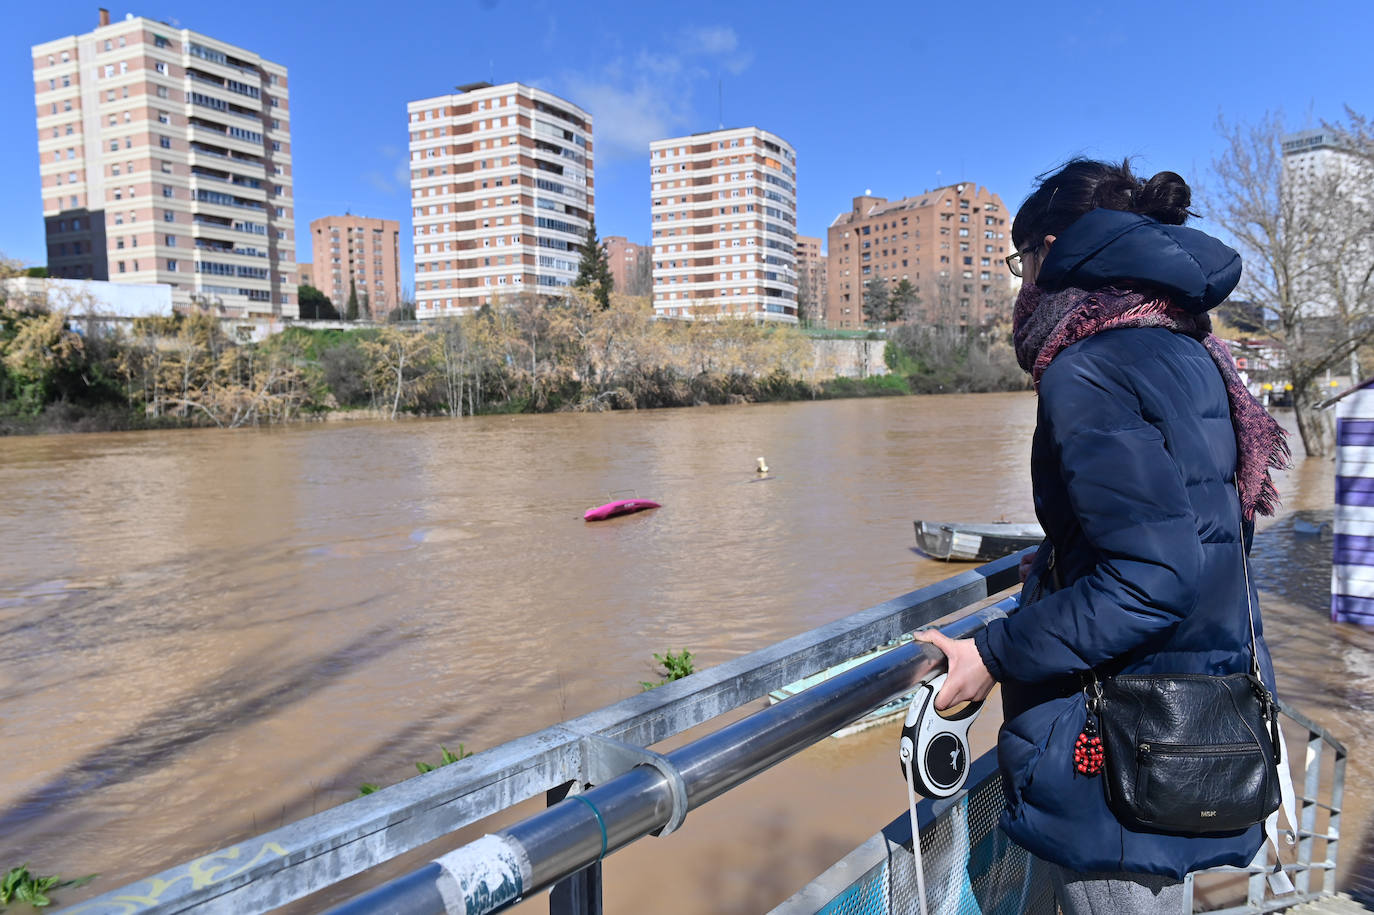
(724, 225)
(356, 253)
(811, 277)
(166, 158)
(949, 243)
(501, 193)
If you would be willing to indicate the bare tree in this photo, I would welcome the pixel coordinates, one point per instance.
(1304, 235)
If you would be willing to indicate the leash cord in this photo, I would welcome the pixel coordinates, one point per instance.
(915, 835)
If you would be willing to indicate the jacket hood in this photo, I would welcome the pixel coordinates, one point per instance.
(1114, 247)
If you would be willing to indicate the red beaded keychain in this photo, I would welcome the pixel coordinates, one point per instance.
(1087, 749)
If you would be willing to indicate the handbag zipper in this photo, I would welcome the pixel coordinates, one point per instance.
(1145, 750)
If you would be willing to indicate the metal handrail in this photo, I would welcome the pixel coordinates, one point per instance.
(499, 870)
(272, 869)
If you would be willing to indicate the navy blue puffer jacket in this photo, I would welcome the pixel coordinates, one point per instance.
(1132, 465)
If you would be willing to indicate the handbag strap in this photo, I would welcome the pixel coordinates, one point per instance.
(1249, 600)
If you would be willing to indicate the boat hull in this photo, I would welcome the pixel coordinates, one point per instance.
(617, 508)
(884, 713)
(952, 540)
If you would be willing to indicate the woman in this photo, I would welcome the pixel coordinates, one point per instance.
(1148, 452)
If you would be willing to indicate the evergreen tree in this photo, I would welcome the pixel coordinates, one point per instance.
(877, 300)
(594, 270)
(315, 305)
(351, 314)
(904, 302)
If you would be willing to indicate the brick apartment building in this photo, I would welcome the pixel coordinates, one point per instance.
(811, 277)
(361, 249)
(165, 157)
(949, 242)
(724, 225)
(502, 192)
(630, 265)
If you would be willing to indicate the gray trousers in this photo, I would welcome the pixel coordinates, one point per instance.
(1115, 894)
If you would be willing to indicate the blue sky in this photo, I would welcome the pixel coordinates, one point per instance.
(898, 96)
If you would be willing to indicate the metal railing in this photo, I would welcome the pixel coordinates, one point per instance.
(638, 791)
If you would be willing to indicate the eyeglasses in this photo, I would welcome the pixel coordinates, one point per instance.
(1014, 260)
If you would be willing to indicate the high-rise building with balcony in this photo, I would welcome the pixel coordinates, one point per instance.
(949, 243)
(502, 192)
(362, 251)
(724, 225)
(166, 158)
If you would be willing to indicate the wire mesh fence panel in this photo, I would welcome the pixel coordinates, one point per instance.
(971, 867)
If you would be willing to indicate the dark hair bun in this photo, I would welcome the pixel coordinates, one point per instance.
(1087, 184)
(1165, 197)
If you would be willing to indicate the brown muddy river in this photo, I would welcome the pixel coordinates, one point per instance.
(206, 634)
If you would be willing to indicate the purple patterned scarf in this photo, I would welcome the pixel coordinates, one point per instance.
(1046, 322)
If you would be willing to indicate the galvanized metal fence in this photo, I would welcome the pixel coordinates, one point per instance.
(562, 761)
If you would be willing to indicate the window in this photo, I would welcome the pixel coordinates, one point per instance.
(169, 240)
(162, 92)
(169, 216)
(166, 190)
(160, 67)
(164, 142)
(121, 266)
(276, 146)
(172, 264)
(123, 67)
(161, 42)
(166, 167)
(163, 118)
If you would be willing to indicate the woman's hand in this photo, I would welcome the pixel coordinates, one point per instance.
(968, 680)
(1024, 566)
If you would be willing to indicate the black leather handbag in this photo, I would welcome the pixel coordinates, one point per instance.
(1191, 754)
(1186, 753)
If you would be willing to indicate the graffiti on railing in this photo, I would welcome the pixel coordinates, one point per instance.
(200, 873)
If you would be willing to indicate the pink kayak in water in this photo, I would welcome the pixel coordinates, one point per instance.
(618, 507)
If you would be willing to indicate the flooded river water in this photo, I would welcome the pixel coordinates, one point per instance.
(205, 634)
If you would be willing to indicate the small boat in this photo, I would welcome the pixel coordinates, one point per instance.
(976, 542)
(617, 508)
(883, 713)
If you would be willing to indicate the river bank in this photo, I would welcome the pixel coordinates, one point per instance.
(188, 370)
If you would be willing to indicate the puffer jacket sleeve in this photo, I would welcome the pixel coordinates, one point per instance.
(1129, 497)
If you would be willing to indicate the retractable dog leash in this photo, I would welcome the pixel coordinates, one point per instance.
(934, 753)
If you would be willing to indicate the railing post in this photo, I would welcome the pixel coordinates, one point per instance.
(579, 894)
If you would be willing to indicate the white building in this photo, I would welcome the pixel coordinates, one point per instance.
(724, 225)
(165, 157)
(502, 193)
(89, 298)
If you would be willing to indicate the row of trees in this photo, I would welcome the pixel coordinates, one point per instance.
(531, 354)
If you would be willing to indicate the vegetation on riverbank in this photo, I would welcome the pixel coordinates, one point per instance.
(530, 356)
(19, 884)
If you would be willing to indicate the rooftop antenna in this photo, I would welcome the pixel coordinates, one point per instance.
(720, 102)
(491, 69)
